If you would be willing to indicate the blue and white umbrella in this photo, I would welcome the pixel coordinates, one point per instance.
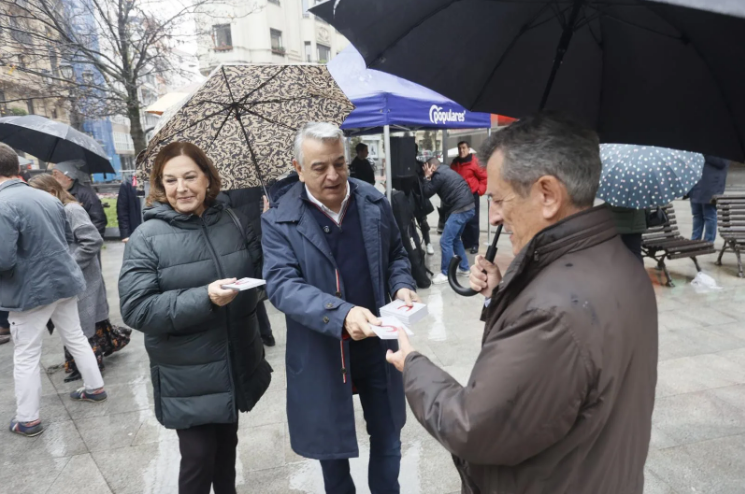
(641, 177)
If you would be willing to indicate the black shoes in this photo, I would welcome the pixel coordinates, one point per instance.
(474, 250)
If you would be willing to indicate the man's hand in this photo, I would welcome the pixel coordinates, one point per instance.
(485, 276)
(358, 323)
(404, 349)
(125, 240)
(428, 171)
(408, 296)
(220, 296)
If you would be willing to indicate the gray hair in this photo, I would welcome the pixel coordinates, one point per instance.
(549, 143)
(9, 166)
(319, 131)
(433, 161)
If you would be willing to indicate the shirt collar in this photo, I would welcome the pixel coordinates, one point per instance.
(323, 208)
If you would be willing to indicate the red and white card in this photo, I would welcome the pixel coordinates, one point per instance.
(390, 328)
(407, 315)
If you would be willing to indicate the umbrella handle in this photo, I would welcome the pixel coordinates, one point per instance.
(491, 254)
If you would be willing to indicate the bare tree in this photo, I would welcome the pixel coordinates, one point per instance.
(112, 47)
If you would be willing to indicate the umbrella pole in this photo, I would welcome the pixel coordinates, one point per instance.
(561, 50)
(388, 164)
(253, 155)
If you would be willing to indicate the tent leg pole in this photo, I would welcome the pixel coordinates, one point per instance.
(388, 164)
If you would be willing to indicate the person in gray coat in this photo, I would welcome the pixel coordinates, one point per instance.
(39, 280)
(93, 307)
(206, 356)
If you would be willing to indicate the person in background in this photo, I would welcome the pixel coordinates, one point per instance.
(466, 164)
(93, 307)
(128, 209)
(206, 358)
(4, 324)
(251, 202)
(561, 395)
(712, 183)
(422, 208)
(454, 190)
(360, 168)
(67, 173)
(333, 256)
(631, 224)
(39, 280)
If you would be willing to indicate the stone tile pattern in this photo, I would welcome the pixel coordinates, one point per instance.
(698, 442)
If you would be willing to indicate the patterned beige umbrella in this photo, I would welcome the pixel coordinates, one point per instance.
(245, 118)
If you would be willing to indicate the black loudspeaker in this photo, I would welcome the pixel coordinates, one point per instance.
(403, 157)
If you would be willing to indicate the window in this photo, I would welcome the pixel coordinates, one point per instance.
(55, 115)
(275, 2)
(308, 52)
(222, 37)
(324, 53)
(123, 142)
(3, 106)
(30, 106)
(277, 42)
(88, 77)
(54, 62)
(19, 33)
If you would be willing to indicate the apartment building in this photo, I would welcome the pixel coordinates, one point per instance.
(266, 31)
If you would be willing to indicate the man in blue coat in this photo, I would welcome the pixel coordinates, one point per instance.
(332, 256)
(712, 183)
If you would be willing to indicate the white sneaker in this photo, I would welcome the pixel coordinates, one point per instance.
(467, 272)
(439, 279)
(430, 250)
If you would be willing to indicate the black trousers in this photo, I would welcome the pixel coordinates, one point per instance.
(208, 458)
(425, 229)
(4, 319)
(472, 232)
(265, 326)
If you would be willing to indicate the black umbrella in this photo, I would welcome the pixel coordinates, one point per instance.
(53, 141)
(638, 71)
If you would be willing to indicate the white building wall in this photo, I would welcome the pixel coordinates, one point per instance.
(251, 34)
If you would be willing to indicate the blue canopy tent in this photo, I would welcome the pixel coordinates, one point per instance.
(383, 101)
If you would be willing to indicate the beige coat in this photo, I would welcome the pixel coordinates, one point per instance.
(560, 399)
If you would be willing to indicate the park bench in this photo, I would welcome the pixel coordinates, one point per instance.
(731, 222)
(665, 242)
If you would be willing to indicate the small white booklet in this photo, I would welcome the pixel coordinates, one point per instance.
(245, 284)
(390, 328)
(406, 314)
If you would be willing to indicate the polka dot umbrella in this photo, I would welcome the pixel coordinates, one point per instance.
(641, 177)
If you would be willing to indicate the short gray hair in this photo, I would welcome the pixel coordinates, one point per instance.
(319, 131)
(549, 143)
(8, 161)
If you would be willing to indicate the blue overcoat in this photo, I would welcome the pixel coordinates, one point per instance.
(302, 283)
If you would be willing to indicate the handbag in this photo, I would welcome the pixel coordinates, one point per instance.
(656, 217)
(256, 262)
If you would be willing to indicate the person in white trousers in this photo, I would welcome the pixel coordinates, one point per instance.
(39, 280)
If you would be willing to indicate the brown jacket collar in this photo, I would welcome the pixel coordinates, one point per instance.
(577, 232)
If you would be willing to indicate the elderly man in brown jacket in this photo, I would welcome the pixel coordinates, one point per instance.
(560, 399)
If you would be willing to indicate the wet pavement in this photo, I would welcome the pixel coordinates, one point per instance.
(698, 442)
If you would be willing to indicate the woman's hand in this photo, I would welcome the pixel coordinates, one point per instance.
(220, 296)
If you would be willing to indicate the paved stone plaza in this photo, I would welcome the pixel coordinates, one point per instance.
(698, 441)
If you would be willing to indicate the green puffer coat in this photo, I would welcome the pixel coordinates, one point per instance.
(206, 362)
(628, 221)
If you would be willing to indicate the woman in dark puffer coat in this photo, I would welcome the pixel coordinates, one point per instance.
(206, 356)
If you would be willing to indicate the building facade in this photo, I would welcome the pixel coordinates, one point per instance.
(266, 31)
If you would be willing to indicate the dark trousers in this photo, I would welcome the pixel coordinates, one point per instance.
(633, 241)
(472, 232)
(4, 319)
(208, 458)
(265, 327)
(425, 229)
(367, 362)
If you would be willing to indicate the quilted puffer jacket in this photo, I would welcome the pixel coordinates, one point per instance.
(207, 362)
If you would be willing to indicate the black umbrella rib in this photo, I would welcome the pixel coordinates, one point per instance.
(524, 29)
(217, 134)
(421, 21)
(251, 112)
(717, 81)
(253, 155)
(638, 26)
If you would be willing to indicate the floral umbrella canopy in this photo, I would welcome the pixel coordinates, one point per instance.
(245, 118)
(640, 177)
